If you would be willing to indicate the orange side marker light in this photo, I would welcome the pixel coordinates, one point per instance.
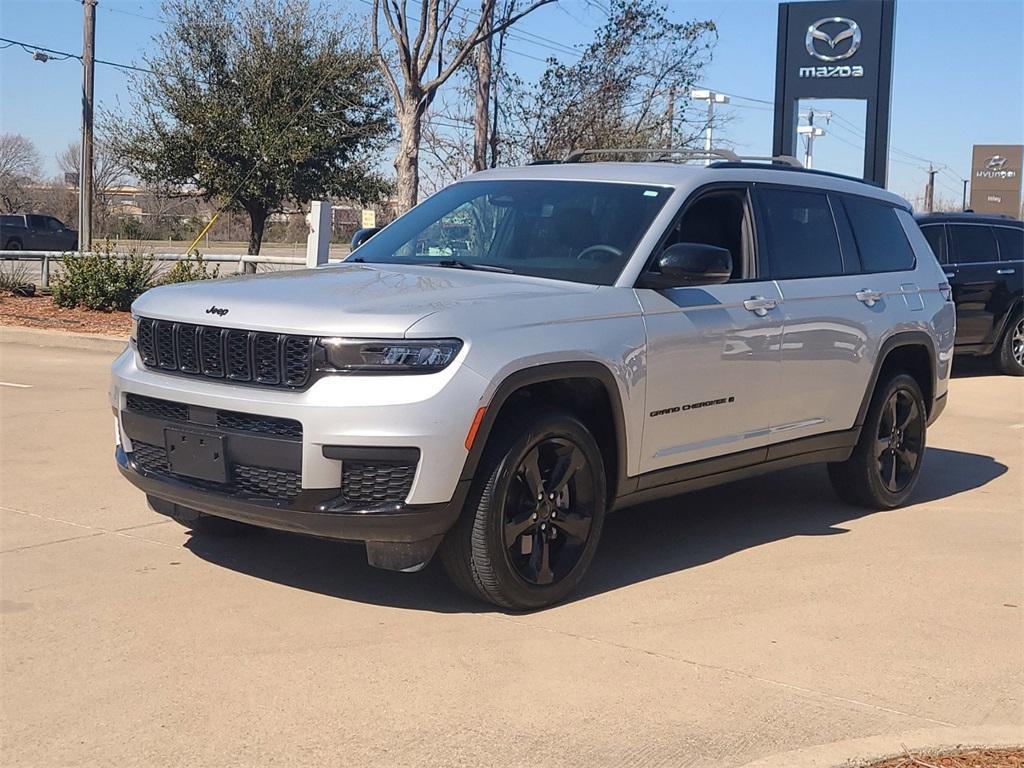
(474, 427)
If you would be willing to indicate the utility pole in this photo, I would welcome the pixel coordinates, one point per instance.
(85, 161)
(964, 206)
(712, 98)
(929, 190)
(810, 132)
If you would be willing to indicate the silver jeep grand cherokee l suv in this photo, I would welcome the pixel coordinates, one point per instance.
(533, 348)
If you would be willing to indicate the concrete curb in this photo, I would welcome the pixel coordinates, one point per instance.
(859, 752)
(44, 337)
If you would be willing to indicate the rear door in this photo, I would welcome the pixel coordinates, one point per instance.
(974, 265)
(845, 275)
(1010, 271)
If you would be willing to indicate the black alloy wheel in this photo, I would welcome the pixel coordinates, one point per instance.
(883, 468)
(548, 512)
(900, 440)
(532, 521)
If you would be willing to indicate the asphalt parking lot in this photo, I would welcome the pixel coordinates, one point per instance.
(714, 629)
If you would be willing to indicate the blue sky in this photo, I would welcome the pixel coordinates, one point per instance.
(958, 74)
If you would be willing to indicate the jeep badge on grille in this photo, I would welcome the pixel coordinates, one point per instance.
(215, 310)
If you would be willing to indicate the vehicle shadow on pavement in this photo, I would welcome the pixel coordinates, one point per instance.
(638, 544)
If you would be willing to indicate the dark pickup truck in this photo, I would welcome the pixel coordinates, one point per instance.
(35, 232)
(983, 257)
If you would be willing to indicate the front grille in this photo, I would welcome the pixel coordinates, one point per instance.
(376, 481)
(231, 420)
(246, 481)
(266, 359)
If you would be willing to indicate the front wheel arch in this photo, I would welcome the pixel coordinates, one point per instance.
(507, 396)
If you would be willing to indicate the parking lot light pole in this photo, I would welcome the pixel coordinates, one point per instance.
(712, 98)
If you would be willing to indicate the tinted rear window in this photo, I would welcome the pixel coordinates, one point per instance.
(936, 237)
(1011, 243)
(881, 241)
(972, 243)
(801, 234)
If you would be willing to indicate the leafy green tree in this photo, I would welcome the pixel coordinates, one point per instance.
(256, 103)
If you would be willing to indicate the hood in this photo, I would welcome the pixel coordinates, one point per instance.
(344, 299)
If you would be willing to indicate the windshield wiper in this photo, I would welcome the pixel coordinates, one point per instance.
(457, 264)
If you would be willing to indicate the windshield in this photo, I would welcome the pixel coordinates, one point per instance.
(567, 230)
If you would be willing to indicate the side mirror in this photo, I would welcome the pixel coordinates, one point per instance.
(686, 264)
(362, 235)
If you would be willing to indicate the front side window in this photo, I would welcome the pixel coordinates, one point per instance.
(801, 234)
(972, 244)
(1011, 243)
(935, 234)
(881, 241)
(566, 230)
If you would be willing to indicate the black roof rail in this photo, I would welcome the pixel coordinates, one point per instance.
(683, 154)
(779, 167)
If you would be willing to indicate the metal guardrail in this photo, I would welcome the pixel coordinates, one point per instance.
(47, 257)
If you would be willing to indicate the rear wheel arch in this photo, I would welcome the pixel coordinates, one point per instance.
(911, 352)
(585, 389)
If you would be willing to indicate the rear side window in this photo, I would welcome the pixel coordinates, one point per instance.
(971, 244)
(936, 237)
(800, 234)
(880, 238)
(1011, 243)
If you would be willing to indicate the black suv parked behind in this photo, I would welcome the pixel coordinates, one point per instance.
(983, 257)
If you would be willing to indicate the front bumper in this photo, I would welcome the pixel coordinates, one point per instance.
(315, 512)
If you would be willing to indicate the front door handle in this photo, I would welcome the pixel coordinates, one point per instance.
(869, 297)
(950, 274)
(759, 305)
(1005, 271)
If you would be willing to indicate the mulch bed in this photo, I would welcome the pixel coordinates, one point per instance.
(1012, 757)
(41, 312)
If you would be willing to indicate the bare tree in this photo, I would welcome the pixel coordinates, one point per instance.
(19, 165)
(628, 88)
(420, 46)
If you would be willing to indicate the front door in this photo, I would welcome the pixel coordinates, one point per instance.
(713, 368)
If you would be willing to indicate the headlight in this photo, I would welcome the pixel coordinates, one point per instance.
(387, 356)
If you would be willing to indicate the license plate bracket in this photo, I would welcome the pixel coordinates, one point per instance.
(196, 454)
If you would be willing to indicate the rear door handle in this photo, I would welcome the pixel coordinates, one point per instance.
(869, 297)
(759, 305)
(950, 274)
(1005, 271)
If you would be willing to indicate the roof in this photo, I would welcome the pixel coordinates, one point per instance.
(968, 216)
(688, 176)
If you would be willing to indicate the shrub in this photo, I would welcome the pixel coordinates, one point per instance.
(104, 280)
(191, 268)
(14, 275)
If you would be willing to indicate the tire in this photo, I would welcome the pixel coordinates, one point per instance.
(13, 245)
(885, 465)
(516, 550)
(1010, 355)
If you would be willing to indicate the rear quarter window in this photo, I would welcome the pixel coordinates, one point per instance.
(881, 241)
(1011, 243)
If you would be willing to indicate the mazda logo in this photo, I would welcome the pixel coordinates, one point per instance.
(215, 310)
(996, 163)
(850, 31)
